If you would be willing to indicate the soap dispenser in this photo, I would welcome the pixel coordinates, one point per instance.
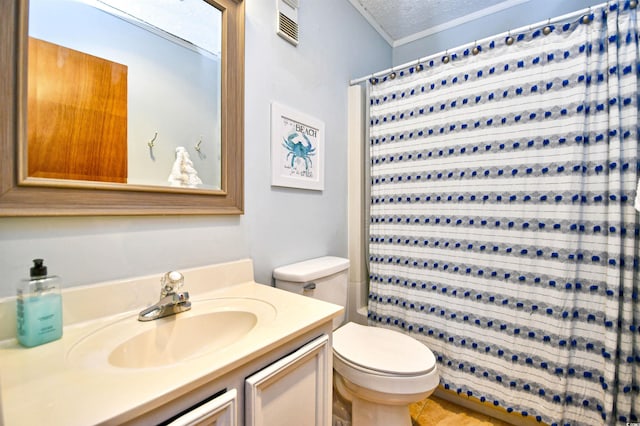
(39, 307)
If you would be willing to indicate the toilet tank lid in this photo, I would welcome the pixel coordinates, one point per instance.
(311, 269)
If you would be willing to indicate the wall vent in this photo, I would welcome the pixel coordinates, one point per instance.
(288, 20)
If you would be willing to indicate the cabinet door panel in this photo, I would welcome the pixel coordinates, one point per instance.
(295, 390)
(221, 411)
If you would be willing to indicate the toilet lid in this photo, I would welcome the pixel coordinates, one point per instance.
(383, 350)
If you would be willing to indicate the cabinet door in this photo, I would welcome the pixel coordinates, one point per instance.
(295, 390)
(220, 411)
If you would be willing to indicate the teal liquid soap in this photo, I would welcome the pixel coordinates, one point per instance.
(39, 308)
(41, 320)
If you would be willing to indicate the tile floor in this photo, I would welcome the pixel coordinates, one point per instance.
(432, 411)
(435, 411)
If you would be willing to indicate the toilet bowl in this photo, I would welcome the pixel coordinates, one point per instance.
(380, 371)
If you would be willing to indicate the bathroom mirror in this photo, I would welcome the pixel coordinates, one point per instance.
(154, 115)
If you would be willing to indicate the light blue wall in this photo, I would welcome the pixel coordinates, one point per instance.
(280, 225)
(532, 12)
(336, 45)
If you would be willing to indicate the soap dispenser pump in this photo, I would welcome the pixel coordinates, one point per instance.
(39, 307)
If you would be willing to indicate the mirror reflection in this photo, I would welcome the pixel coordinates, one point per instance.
(124, 92)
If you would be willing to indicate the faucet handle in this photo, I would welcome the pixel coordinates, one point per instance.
(171, 282)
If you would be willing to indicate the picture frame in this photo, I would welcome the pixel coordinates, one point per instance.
(297, 149)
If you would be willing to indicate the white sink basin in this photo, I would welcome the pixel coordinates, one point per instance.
(210, 325)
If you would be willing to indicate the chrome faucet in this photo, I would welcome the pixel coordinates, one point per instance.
(172, 301)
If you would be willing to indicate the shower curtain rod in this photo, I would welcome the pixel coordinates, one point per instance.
(477, 42)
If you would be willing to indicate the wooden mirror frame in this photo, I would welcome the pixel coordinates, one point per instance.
(32, 197)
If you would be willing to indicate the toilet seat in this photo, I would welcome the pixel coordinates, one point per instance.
(382, 351)
(383, 360)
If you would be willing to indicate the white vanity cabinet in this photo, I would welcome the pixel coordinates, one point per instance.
(295, 390)
(290, 385)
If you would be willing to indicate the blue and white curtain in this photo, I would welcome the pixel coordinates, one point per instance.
(502, 228)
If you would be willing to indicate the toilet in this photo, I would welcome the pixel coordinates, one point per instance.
(380, 371)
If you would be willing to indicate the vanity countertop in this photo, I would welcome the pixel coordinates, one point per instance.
(41, 386)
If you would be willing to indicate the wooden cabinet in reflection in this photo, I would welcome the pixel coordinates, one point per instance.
(77, 115)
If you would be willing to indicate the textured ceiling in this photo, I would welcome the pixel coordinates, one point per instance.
(400, 21)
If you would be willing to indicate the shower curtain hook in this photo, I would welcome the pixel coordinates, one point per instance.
(476, 49)
(509, 40)
(445, 58)
(547, 30)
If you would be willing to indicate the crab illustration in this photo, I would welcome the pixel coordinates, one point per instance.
(299, 150)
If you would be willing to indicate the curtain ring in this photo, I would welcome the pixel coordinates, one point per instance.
(373, 80)
(419, 67)
(509, 40)
(547, 30)
(475, 49)
(586, 19)
(633, 4)
(445, 58)
(392, 75)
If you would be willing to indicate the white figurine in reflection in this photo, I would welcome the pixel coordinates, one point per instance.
(183, 173)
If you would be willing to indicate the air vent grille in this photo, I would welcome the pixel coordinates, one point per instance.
(288, 29)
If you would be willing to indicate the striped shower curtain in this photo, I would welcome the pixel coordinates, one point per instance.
(502, 228)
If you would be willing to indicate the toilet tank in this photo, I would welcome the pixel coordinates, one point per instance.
(324, 278)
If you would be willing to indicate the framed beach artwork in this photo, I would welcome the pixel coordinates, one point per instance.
(297, 149)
